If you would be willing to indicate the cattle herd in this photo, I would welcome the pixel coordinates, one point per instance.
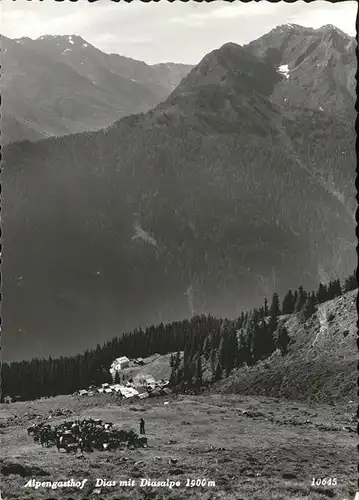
(85, 435)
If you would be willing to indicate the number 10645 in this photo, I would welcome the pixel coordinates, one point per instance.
(325, 481)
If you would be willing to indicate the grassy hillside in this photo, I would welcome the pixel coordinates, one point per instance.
(251, 448)
(321, 361)
(244, 446)
(157, 365)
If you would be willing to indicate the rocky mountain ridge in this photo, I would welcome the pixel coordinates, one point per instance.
(318, 66)
(56, 85)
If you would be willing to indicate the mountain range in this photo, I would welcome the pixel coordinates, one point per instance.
(56, 85)
(239, 184)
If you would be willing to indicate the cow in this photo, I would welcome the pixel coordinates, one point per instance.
(47, 436)
(72, 447)
(141, 442)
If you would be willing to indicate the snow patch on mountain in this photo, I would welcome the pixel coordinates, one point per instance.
(284, 70)
(71, 40)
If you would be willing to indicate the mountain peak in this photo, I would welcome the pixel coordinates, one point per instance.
(230, 58)
(229, 46)
(227, 86)
(329, 28)
(72, 39)
(336, 38)
(290, 28)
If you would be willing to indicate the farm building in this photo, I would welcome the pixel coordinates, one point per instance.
(142, 392)
(128, 392)
(116, 388)
(143, 380)
(154, 393)
(118, 365)
(121, 363)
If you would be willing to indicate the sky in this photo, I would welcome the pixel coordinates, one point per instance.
(163, 32)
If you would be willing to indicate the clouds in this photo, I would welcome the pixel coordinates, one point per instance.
(342, 15)
(161, 32)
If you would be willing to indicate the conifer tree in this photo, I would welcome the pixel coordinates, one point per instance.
(321, 294)
(188, 368)
(207, 347)
(288, 303)
(338, 288)
(213, 358)
(177, 360)
(173, 380)
(275, 308)
(222, 353)
(309, 307)
(246, 339)
(350, 283)
(258, 341)
(331, 291)
(218, 372)
(264, 344)
(199, 371)
(266, 310)
(302, 297)
(334, 289)
(282, 339)
(172, 360)
(244, 352)
(295, 299)
(232, 349)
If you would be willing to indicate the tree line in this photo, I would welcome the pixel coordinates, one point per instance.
(249, 339)
(205, 341)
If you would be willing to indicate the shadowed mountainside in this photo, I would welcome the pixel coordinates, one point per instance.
(56, 85)
(209, 202)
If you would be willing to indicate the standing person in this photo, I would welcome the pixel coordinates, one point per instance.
(142, 426)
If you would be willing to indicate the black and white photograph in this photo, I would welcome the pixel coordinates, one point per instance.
(179, 284)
